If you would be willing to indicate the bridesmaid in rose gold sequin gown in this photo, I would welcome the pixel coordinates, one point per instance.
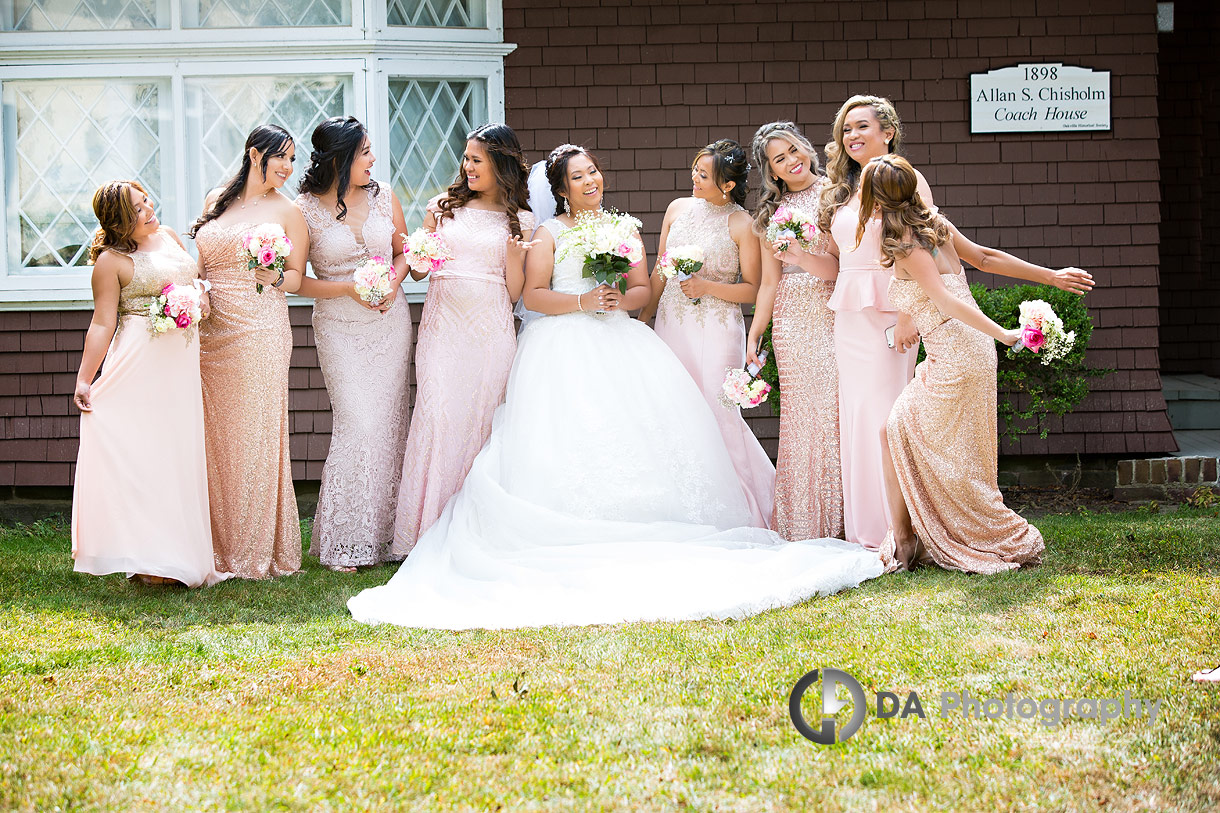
(245, 352)
(808, 482)
(708, 336)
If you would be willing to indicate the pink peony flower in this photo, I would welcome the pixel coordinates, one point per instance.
(1032, 338)
(182, 320)
(266, 256)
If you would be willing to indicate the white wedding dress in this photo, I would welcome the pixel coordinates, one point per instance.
(605, 494)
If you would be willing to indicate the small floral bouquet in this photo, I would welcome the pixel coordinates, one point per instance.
(1042, 332)
(177, 306)
(681, 262)
(266, 246)
(426, 251)
(743, 389)
(374, 279)
(610, 245)
(790, 224)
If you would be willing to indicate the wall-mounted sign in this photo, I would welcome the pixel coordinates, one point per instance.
(1042, 97)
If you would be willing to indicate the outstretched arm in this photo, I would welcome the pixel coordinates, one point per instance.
(994, 261)
(921, 267)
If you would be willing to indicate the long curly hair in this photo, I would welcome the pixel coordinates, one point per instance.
(507, 164)
(890, 184)
(773, 189)
(729, 163)
(269, 140)
(335, 144)
(842, 171)
(116, 218)
(557, 169)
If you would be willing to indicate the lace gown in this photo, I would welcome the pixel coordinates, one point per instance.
(465, 349)
(246, 349)
(710, 337)
(808, 476)
(604, 494)
(871, 374)
(140, 499)
(364, 356)
(942, 436)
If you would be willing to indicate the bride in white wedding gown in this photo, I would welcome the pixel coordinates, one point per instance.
(605, 493)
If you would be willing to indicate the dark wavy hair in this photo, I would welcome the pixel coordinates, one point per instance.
(729, 163)
(890, 185)
(508, 165)
(335, 144)
(269, 140)
(557, 169)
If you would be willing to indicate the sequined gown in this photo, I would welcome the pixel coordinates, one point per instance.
(808, 474)
(465, 349)
(364, 356)
(604, 494)
(140, 499)
(709, 337)
(246, 348)
(942, 437)
(871, 374)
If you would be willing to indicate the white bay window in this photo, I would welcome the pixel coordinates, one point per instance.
(165, 91)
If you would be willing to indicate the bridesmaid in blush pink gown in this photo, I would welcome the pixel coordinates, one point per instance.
(700, 318)
(808, 486)
(140, 502)
(466, 337)
(871, 374)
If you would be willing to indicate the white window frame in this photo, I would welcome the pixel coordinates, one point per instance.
(369, 50)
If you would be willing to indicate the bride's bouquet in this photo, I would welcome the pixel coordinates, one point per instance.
(743, 388)
(177, 306)
(681, 262)
(789, 225)
(426, 251)
(609, 244)
(374, 279)
(1042, 332)
(266, 246)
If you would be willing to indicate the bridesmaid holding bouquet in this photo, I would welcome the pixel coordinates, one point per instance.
(466, 337)
(700, 317)
(363, 346)
(140, 500)
(939, 443)
(795, 289)
(246, 351)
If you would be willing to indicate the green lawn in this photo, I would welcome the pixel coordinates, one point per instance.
(257, 696)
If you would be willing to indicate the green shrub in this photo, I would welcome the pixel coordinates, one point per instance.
(1028, 391)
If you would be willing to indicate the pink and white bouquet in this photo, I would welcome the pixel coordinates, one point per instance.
(374, 279)
(609, 243)
(681, 263)
(741, 389)
(266, 246)
(791, 225)
(177, 306)
(426, 251)
(1042, 332)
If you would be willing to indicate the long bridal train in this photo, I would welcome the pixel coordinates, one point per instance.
(605, 494)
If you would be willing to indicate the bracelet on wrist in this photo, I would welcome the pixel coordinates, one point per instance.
(580, 305)
(279, 281)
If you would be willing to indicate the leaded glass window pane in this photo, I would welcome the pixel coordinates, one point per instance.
(221, 112)
(67, 138)
(429, 119)
(438, 13)
(83, 15)
(261, 13)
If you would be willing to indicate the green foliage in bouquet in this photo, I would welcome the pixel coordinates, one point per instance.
(1028, 390)
(608, 269)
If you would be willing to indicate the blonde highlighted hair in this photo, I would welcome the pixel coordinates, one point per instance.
(842, 171)
(890, 187)
(773, 190)
(116, 217)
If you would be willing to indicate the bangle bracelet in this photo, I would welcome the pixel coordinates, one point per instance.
(579, 304)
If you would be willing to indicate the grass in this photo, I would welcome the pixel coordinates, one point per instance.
(267, 696)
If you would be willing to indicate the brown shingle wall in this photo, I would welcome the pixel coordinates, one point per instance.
(1190, 199)
(646, 83)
